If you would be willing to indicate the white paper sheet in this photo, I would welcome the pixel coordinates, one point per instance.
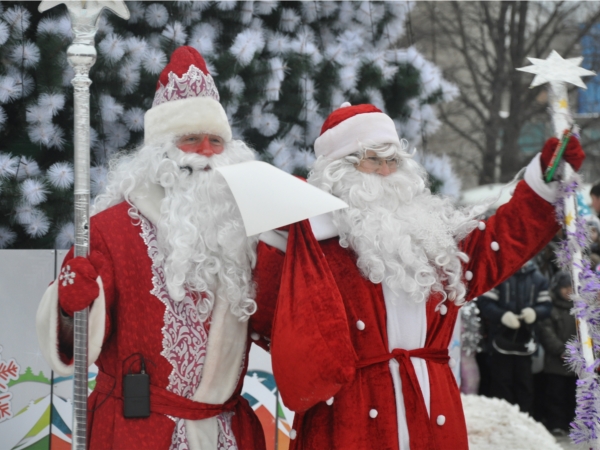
(270, 198)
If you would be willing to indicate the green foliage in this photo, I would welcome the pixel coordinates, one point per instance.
(298, 62)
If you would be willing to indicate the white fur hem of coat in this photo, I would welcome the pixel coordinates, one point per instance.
(46, 322)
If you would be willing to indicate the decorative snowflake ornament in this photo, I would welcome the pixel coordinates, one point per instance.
(66, 276)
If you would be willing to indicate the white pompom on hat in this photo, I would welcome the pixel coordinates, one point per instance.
(349, 128)
(186, 100)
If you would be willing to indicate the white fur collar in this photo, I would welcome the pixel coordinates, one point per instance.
(147, 199)
(323, 227)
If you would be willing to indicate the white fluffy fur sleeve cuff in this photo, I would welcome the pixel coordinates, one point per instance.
(46, 323)
(535, 179)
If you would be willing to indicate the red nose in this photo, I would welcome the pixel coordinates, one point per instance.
(205, 148)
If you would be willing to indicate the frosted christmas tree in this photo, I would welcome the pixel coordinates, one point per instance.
(281, 68)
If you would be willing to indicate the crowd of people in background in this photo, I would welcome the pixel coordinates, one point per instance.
(526, 323)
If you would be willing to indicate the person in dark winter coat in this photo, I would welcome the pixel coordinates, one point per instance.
(593, 254)
(512, 310)
(555, 331)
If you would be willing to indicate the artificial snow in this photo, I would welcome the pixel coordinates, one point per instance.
(54, 102)
(2, 117)
(175, 33)
(18, 18)
(494, 424)
(9, 89)
(7, 237)
(203, 36)
(154, 61)
(66, 236)
(38, 225)
(8, 165)
(156, 15)
(60, 175)
(112, 47)
(134, 119)
(34, 191)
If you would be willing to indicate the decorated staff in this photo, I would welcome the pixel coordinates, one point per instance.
(81, 55)
(582, 353)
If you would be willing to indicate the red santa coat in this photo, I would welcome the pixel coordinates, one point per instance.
(132, 319)
(335, 339)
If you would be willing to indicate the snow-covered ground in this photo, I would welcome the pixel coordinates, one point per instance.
(566, 444)
(494, 424)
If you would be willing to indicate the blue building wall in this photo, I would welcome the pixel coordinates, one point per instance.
(589, 99)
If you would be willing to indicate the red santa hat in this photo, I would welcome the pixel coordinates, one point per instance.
(186, 100)
(350, 128)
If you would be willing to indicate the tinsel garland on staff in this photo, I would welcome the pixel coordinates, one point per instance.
(470, 335)
(558, 72)
(586, 426)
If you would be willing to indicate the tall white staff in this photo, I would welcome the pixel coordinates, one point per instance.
(81, 55)
(558, 72)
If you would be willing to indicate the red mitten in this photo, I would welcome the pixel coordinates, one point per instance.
(77, 286)
(573, 153)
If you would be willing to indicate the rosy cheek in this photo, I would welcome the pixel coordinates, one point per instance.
(217, 149)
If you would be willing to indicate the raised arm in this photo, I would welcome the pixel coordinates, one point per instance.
(519, 229)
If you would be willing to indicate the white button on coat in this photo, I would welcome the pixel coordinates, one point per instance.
(255, 336)
(373, 413)
(481, 225)
(468, 275)
(495, 246)
(330, 401)
(441, 420)
(443, 310)
(293, 434)
(360, 325)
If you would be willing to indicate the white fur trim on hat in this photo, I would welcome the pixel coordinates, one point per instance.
(186, 116)
(348, 136)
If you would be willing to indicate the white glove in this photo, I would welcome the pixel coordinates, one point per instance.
(528, 315)
(510, 320)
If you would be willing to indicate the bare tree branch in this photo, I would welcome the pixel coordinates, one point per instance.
(479, 45)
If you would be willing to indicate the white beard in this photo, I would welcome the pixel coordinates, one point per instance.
(400, 232)
(202, 242)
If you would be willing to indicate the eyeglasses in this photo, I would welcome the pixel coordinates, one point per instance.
(203, 144)
(374, 163)
(194, 139)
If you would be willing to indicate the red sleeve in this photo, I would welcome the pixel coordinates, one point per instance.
(520, 228)
(267, 277)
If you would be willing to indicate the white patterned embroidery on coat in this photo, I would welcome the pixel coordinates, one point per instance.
(193, 83)
(226, 437)
(184, 345)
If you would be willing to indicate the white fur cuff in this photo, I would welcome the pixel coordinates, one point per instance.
(535, 179)
(275, 238)
(46, 322)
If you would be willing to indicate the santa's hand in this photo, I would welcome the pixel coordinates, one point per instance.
(510, 320)
(573, 153)
(77, 286)
(528, 315)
